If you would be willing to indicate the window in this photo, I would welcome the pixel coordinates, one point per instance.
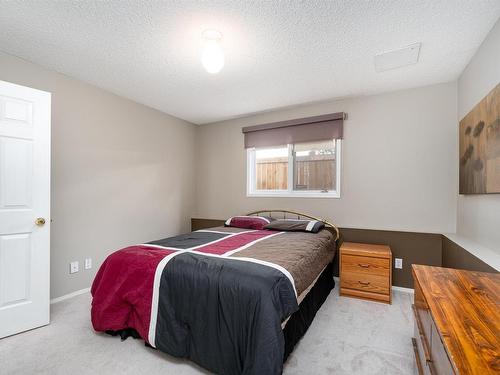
(296, 170)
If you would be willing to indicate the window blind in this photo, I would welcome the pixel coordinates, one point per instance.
(308, 129)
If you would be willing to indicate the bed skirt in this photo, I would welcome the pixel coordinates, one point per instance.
(299, 321)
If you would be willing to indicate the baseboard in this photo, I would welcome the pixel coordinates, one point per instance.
(70, 295)
(394, 288)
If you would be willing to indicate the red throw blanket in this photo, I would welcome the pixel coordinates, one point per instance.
(123, 289)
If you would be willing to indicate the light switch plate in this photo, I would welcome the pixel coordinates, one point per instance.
(73, 267)
(88, 263)
(398, 263)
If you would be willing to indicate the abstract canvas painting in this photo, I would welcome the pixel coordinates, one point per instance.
(480, 147)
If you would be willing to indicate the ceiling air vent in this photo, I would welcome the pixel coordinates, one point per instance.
(397, 58)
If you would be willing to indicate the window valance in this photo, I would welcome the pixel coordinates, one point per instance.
(308, 129)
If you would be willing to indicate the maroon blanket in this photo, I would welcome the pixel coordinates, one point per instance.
(123, 289)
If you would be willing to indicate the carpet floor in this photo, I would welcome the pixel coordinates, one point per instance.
(348, 336)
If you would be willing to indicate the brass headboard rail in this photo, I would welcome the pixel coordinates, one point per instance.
(299, 215)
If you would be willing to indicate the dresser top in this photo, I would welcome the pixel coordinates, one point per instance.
(379, 251)
(465, 306)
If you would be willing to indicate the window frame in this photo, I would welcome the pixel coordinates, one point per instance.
(290, 193)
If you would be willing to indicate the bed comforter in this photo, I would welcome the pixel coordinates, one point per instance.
(217, 297)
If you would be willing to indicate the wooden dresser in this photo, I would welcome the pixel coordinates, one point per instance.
(457, 321)
(365, 271)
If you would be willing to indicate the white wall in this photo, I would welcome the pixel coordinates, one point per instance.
(479, 215)
(399, 163)
(122, 173)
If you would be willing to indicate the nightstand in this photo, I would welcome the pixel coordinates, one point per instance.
(365, 271)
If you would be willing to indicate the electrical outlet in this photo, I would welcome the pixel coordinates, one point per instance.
(398, 263)
(73, 267)
(88, 263)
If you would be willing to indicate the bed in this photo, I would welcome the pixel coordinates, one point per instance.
(235, 300)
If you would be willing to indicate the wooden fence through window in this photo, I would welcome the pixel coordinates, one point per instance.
(309, 174)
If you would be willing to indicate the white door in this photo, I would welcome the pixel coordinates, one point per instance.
(24, 208)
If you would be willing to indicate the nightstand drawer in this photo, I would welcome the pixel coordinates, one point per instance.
(365, 282)
(366, 265)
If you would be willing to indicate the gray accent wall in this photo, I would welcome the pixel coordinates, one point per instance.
(122, 173)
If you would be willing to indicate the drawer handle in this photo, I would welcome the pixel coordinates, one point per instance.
(364, 282)
(364, 265)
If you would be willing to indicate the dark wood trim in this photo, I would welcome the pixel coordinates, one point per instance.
(197, 224)
(455, 256)
(431, 249)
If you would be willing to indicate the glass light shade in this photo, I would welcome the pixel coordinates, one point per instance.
(213, 56)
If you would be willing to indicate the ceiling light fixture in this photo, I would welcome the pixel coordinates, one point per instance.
(213, 55)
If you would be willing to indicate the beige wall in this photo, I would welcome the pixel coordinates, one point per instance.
(122, 173)
(479, 215)
(399, 163)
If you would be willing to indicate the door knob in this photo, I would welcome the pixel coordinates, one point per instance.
(40, 221)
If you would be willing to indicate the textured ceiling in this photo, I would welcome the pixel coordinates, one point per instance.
(277, 53)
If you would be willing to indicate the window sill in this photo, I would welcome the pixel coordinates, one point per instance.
(268, 194)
